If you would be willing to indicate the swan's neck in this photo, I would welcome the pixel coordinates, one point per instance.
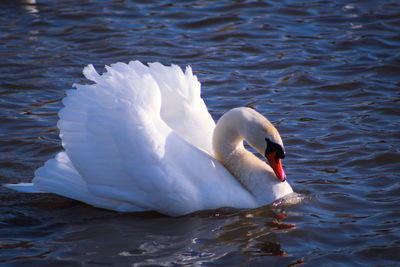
(227, 144)
(254, 174)
(228, 147)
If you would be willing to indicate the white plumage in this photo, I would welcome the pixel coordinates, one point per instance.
(140, 138)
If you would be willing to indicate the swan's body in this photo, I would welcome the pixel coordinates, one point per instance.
(140, 138)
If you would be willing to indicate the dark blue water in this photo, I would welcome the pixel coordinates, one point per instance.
(327, 73)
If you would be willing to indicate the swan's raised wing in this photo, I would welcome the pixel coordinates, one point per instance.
(124, 151)
(182, 107)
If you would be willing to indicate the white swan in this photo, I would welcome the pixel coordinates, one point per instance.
(140, 138)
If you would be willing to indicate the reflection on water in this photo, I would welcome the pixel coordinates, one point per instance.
(326, 73)
(29, 6)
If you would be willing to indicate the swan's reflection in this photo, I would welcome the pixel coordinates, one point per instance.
(255, 232)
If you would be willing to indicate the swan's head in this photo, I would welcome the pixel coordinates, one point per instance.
(246, 123)
(264, 137)
(275, 153)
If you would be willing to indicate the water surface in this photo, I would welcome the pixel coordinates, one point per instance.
(327, 73)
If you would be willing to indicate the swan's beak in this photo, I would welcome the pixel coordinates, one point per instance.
(276, 165)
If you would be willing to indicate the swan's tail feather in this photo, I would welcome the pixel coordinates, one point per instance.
(58, 176)
(23, 187)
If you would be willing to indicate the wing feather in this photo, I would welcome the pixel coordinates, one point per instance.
(139, 138)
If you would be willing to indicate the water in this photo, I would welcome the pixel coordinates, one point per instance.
(327, 73)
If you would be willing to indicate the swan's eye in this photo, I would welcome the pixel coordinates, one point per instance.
(274, 147)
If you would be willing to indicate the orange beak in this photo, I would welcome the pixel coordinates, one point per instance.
(276, 165)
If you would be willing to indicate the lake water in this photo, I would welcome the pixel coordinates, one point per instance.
(327, 73)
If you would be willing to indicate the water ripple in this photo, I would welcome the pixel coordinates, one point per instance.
(326, 73)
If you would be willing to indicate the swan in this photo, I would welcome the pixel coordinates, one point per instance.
(139, 137)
